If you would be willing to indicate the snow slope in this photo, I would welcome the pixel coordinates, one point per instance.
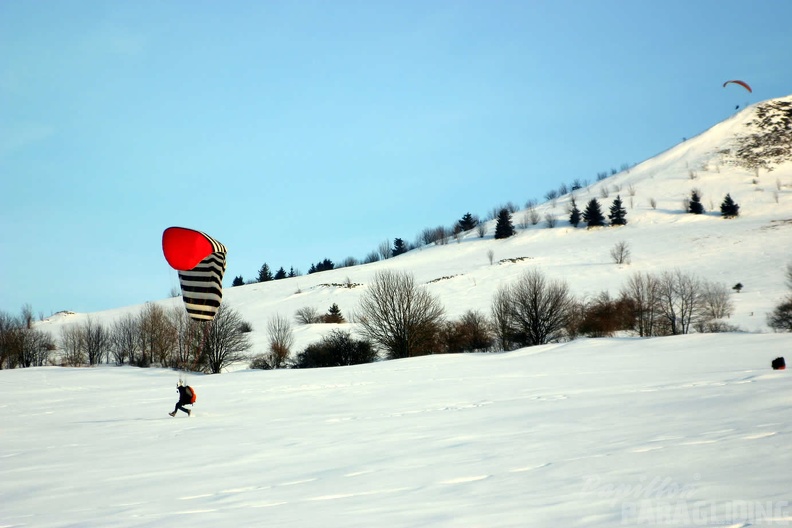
(688, 430)
(753, 249)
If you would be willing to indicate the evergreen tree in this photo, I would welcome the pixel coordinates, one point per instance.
(334, 315)
(264, 273)
(617, 213)
(504, 227)
(281, 274)
(729, 208)
(695, 206)
(238, 281)
(399, 247)
(574, 214)
(292, 273)
(325, 265)
(467, 222)
(592, 215)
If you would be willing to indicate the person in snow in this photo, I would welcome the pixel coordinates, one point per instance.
(184, 398)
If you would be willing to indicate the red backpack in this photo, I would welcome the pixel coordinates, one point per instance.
(192, 394)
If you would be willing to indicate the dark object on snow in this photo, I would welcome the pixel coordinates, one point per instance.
(778, 364)
(186, 397)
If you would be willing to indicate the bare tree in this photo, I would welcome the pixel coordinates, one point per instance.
(187, 352)
(281, 340)
(550, 220)
(437, 235)
(524, 223)
(502, 319)
(620, 253)
(72, 342)
(97, 341)
(533, 216)
(715, 305)
(224, 342)
(537, 310)
(490, 256)
(307, 315)
(157, 336)
(716, 301)
(428, 236)
(36, 348)
(780, 319)
(400, 316)
(384, 250)
(8, 326)
(124, 339)
(471, 333)
(643, 291)
(680, 299)
(27, 316)
(481, 229)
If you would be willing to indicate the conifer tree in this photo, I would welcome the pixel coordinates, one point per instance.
(292, 273)
(592, 215)
(467, 222)
(238, 281)
(264, 273)
(281, 274)
(729, 208)
(617, 213)
(399, 247)
(695, 206)
(325, 265)
(574, 214)
(504, 227)
(334, 315)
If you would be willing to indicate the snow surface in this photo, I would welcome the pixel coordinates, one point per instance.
(688, 430)
(588, 433)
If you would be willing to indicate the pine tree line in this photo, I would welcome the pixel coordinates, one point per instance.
(592, 216)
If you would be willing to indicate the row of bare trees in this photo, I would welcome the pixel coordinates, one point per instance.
(158, 337)
(402, 319)
(21, 345)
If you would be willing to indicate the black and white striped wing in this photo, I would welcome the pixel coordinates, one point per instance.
(202, 287)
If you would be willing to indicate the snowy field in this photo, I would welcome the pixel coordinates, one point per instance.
(684, 431)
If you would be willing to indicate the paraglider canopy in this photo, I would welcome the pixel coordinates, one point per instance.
(741, 83)
(185, 248)
(200, 261)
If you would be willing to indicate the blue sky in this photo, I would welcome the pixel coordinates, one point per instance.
(298, 131)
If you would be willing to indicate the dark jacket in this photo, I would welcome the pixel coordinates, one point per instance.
(184, 395)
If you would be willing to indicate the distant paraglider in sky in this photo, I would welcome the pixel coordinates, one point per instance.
(200, 261)
(741, 83)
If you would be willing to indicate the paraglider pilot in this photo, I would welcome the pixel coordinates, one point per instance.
(184, 399)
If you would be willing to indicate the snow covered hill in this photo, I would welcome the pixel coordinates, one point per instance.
(752, 249)
(687, 430)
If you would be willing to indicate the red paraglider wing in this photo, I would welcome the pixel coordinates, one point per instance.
(185, 248)
(201, 262)
(741, 83)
